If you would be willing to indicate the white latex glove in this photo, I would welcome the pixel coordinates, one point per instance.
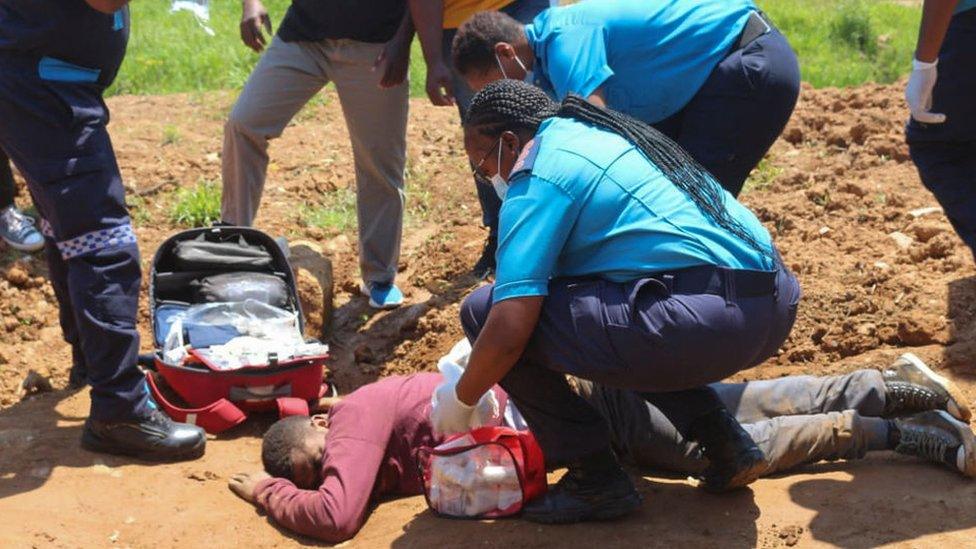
(449, 415)
(918, 93)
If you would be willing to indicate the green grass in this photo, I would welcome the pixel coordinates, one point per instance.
(839, 42)
(170, 53)
(197, 206)
(848, 42)
(336, 215)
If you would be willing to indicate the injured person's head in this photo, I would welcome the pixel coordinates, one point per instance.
(293, 449)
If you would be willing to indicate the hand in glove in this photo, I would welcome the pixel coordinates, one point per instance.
(449, 415)
(918, 93)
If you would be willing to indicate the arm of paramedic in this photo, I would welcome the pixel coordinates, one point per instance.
(107, 6)
(502, 341)
(935, 21)
(535, 223)
(337, 510)
(428, 18)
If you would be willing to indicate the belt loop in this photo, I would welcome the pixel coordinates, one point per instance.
(668, 281)
(729, 276)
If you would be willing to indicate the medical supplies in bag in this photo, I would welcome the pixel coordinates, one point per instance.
(228, 329)
(489, 472)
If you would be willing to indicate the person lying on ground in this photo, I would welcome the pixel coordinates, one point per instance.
(714, 75)
(324, 472)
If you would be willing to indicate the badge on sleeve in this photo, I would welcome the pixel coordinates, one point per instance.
(526, 158)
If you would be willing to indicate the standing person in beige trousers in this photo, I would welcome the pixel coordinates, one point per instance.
(366, 54)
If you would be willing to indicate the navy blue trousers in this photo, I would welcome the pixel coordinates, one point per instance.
(55, 133)
(945, 154)
(635, 335)
(740, 111)
(523, 11)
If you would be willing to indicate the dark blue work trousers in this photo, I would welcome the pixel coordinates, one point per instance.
(523, 11)
(740, 111)
(55, 133)
(945, 154)
(636, 335)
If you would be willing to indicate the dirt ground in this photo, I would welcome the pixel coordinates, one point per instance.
(881, 269)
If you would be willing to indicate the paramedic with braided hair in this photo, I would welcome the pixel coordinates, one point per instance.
(714, 75)
(621, 261)
(56, 59)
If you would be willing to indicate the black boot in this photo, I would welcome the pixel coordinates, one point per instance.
(594, 488)
(486, 263)
(734, 460)
(153, 438)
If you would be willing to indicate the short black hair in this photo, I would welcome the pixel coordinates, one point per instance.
(283, 437)
(473, 48)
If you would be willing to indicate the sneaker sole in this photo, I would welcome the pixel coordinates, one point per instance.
(611, 511)
(93, 444)
(956, 404)
(22, 247)
(968, 466)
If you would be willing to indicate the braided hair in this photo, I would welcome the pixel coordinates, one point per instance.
(513, 105)
(473, 48)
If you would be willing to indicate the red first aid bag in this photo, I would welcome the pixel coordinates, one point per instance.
(489, 472)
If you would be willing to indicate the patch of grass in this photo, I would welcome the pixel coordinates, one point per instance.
(848, 42)
(170, 53)
(338, 214)
(198, 206)
(171, 135)
(762, 176)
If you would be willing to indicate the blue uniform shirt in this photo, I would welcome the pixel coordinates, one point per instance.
(586, 202)
(650, 56)
(965, 5)
(70, 41)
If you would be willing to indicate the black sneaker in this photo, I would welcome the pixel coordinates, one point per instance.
(911, 387)
(937, 436)
(486, 263)
(585, 495)
(734, 460)
(155, 437)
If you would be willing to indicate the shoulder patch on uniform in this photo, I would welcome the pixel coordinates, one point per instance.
(526, 159)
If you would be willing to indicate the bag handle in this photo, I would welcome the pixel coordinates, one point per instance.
(215, 417)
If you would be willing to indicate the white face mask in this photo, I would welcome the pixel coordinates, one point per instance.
(497, 181)
(529, 77)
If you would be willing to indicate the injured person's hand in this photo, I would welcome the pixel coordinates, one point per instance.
(243, 484)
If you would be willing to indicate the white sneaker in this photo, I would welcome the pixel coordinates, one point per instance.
(18, 231)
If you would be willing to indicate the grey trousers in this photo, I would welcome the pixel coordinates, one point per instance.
(794, 420)
(288, 75)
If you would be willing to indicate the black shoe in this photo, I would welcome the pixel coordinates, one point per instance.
(734, 460)
(911, 387)
(585, 494)
(938, 437)
(153, 438)
(486, 263)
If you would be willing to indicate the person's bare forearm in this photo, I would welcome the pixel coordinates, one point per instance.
(404, 34)
(936, 15)
(107, 6)
(501, 343)
(428, 20)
